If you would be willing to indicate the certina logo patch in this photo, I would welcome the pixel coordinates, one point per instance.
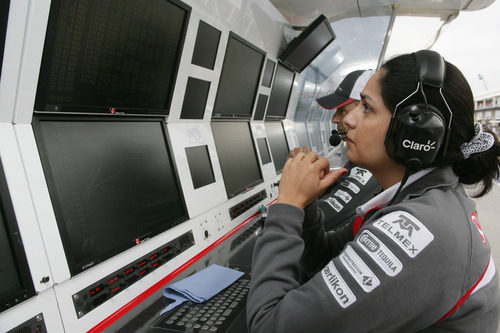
(339, 289)
(382, 256)
(413, 145)
(353, 187)
(406, 231)
(363, 275)
(475, 220)
(361, 175)
(343, 195)
(334, 203)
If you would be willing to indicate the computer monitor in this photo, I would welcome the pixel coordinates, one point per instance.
(16, 284)
(103, 56)
(280, 93)
(237, 156)
(4, 16)
(205, 46)
(304, 48)
(200, 166)
(239, 79)
(108, 175)
(277, 142)
(265, 157)
(268, 73)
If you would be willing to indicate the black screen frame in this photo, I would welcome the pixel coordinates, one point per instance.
(232, 114)
(297, 43)
(45, 68)
(74, 266)
(26, 288)
(276, 95)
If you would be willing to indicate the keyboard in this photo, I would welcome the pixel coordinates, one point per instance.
(215, 315)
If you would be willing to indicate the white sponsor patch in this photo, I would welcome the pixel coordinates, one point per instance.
(339, 289)
(361, 175)
(351, 186)
(335, 204)
(343, 195)
(359, 270)
(379, 253)
(404, 229)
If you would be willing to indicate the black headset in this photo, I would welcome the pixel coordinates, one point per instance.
(419, 131)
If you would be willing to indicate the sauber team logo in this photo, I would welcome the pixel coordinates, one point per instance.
(475, 220)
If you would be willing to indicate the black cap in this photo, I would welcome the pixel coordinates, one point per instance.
(348, 90)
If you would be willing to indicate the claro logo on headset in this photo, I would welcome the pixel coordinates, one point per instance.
(410, 144)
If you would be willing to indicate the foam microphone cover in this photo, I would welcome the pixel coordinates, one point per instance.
(335, 138)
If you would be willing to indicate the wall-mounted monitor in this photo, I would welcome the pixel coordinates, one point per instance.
(239, 79)
(104, 56)
(304, 48)
(237, 156)
(205, 46)
(268, 73)
(16, 284)
(265, 157)
(277, 141)
(280, 93)
(200, 166)
(108, 175)
(4, 17)
(195, 98)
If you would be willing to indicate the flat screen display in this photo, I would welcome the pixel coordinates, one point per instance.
(237, 156)
(109, 56)
(108, 175)
(17, 285)
(280, 93)
(265, 157)
(200, 166)
(304, 48)
(277, 142)
(239, 79)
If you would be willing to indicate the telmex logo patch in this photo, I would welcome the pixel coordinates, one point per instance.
(379, 253)
(359, 270)
(404, 229)
(335, 204)
(339, 289)
(361, 175)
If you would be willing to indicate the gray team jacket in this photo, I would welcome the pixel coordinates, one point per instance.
(421, 264)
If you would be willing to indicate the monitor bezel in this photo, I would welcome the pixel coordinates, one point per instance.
(41, 91)
(16, 245)
(296, 43)
(74, 267)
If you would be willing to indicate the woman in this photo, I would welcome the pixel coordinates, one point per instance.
(415, 258)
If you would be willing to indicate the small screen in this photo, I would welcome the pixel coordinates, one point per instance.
(260, 109)
(268, 73)
(278, 143)
(237, 156)
(108, 176)
(265, 157)
(280, 93)
(16, 280)
(195, 98)
(205, 47)
(200, 166)
(303, 49)
(239, 79)
(111, 56)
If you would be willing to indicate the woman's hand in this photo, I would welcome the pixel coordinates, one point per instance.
(304, 178)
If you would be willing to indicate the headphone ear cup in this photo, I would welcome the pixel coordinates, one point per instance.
(415, 136)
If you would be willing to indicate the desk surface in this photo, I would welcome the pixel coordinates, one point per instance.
(235, 252)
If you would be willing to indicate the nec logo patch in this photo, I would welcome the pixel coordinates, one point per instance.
(335, 204)
(406, 231)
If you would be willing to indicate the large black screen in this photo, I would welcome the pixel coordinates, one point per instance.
(280, 93)
(239, 79)
(237, 156)
(111, 55)
(277, 142)
(111, 180)
(302, 50)
(16, 284)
